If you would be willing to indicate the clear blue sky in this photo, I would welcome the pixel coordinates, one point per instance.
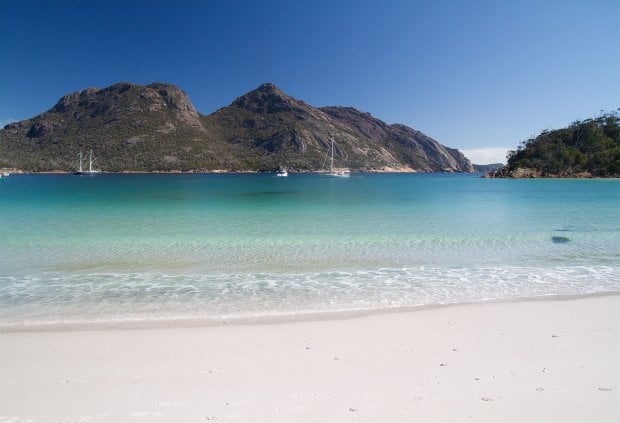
(471, 74)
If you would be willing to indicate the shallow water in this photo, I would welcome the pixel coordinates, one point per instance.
(126, 248)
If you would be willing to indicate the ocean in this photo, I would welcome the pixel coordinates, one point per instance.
(124, 250)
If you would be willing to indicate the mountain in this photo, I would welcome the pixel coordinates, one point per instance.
(155, 127)
(129, 126)
(584, 149)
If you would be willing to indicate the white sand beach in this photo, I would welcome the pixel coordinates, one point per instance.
(536, 361)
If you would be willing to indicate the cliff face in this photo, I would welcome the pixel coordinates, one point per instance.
(156, 127)
(127, 100)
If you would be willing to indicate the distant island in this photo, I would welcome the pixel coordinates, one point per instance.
(589, 148)
(155, 128)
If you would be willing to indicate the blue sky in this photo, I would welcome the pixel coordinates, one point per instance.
(471, 74)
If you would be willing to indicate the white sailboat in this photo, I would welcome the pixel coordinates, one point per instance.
(282, 172)
(336, 173)
(90, 170)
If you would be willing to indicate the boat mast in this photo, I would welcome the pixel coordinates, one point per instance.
(80, 161)
(332, 167)
(90, 161)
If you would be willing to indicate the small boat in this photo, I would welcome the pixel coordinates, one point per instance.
(90, 170)
(282, 172)
(336, 173)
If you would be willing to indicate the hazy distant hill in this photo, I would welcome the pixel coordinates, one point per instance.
(584, 149)
(483, 168)
(156, 127)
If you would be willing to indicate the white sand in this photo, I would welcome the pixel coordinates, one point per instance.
(523, 362)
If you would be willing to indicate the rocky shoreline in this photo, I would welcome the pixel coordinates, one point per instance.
(528, 173)
(387, 169)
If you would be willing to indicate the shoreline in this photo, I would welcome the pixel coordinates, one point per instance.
(552, 361)
(483, 175)
(274, 319)
(233, 172)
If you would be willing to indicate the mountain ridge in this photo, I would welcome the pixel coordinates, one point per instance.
(156, 127)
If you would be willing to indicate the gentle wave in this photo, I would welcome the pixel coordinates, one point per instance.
(115, 297)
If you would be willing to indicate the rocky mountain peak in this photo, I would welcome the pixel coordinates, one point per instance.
(268, 87)
(126, 98)
(267, 98)
(178, 102)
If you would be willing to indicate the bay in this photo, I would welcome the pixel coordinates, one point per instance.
(123, 248)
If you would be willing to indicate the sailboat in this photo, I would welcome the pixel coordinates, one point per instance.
(282, 172)
(90, 170)
(336, 173)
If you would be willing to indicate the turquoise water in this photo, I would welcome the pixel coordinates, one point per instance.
(151, 248)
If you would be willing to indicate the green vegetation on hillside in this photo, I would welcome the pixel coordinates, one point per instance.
(590, 146)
